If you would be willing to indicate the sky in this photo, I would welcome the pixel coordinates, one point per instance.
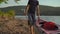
(54, 3)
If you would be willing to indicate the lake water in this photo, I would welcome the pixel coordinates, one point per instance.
(55, 19)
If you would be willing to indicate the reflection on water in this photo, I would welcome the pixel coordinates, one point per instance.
(55, 19)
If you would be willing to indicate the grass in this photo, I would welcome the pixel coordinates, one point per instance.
(15, 25)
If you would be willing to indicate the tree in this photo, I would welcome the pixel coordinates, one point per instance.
(5, 1)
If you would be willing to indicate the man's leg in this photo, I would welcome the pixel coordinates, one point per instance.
(33, 23)
(29, 22)
(32, 30)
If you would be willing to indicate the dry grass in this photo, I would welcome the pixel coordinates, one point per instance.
(14, 26)
(10, 25)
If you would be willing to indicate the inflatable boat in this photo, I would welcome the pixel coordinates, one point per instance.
(44, 31)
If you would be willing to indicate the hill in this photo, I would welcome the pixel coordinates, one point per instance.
(45, 10)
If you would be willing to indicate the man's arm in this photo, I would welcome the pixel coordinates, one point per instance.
(26, 9)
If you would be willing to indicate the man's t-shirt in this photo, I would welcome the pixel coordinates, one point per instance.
(33, 5)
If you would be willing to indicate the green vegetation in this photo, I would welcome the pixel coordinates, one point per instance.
(11, 13)
(5, 1)
(1, 14)
(7, 15)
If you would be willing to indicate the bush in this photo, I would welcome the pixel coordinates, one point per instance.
(11, 13)
(1, 13)
(7, 15)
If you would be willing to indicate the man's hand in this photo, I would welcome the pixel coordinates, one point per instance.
(25, 14)
(38, 14)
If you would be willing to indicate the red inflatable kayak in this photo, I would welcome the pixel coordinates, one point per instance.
(44, 31)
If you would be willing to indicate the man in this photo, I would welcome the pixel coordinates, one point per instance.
(32, 7)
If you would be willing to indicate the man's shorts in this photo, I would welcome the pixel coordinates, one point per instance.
(31, 19)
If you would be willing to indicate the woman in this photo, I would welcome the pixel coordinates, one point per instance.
(30, 10)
